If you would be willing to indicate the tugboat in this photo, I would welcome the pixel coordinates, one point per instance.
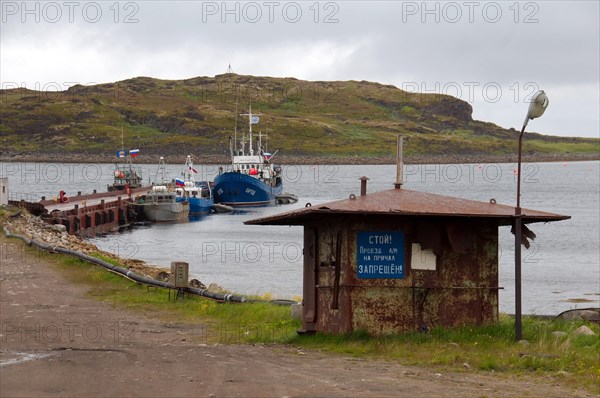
(253, 179)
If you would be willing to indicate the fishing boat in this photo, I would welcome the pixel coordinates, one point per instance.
(253, 179)
(126, 174)
(162, 204)
(197, 193)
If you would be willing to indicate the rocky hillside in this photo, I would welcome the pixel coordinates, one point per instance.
(326, 120)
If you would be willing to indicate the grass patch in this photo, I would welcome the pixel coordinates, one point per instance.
(489, 348)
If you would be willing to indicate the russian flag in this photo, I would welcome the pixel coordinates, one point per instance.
(134, 152)
(179, 182)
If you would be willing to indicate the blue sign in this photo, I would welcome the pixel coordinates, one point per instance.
(380, 254)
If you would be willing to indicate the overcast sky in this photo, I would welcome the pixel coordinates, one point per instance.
(494, 55)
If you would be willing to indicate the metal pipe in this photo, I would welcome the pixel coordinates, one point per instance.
(125, 272)
(517, 228)
(363, 185)
(399, 162)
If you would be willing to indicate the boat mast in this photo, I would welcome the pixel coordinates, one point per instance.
(189, 170)
(250, 133)
(249, 114)
(235, 127)
(162, 171)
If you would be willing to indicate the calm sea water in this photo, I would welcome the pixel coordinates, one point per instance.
(563, 263)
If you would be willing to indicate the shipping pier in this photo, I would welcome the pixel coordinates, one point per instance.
(88, 214)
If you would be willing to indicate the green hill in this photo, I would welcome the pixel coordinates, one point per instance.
(332, 120)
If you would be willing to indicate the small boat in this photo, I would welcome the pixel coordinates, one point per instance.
(253, 179)
(126, 175)
(197, 193)
(162, 204)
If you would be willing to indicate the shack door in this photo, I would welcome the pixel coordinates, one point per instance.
(309, 314)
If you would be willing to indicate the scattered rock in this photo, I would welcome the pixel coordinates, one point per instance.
(453, 344)
(523, 342)
(213, 287)
(163, 276)
(560, 333)
(584, 330)
(466, 366)
(58, 228)
(197, 284)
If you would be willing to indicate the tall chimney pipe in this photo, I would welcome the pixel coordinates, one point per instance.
(363, 185)
(399, 163)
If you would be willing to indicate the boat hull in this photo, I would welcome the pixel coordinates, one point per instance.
(166, 212)
(200, 206)
(241, 190)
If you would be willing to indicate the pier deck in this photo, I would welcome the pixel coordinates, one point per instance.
(89, 214)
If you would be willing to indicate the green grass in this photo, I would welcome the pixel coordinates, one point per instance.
(575, 359)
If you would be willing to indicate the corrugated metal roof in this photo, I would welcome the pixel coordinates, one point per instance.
(404, 202)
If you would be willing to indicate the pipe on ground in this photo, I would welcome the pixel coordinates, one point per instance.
(125, 272)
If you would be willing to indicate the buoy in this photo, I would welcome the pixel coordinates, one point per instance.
(65, 199)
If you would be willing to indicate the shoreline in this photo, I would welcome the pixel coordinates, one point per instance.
(152, 158)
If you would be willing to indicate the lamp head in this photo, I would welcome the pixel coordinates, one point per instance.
(537, 107)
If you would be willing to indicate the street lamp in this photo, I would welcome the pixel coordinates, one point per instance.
(537, 107)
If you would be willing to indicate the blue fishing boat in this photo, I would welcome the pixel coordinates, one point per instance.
(253, 179)
(197, 193)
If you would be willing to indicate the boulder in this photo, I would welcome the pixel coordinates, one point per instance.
(197, 284)
(584, 331)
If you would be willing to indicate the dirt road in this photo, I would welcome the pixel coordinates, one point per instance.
(56, 341)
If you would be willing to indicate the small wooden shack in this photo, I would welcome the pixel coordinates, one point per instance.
(400, 260)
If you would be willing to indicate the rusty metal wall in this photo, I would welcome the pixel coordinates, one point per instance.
(463, 290)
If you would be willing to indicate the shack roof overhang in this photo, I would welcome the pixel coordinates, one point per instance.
(407, 203)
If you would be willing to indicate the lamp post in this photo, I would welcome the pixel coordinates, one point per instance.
(537, 107)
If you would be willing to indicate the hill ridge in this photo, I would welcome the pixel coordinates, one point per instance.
(323, 119)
